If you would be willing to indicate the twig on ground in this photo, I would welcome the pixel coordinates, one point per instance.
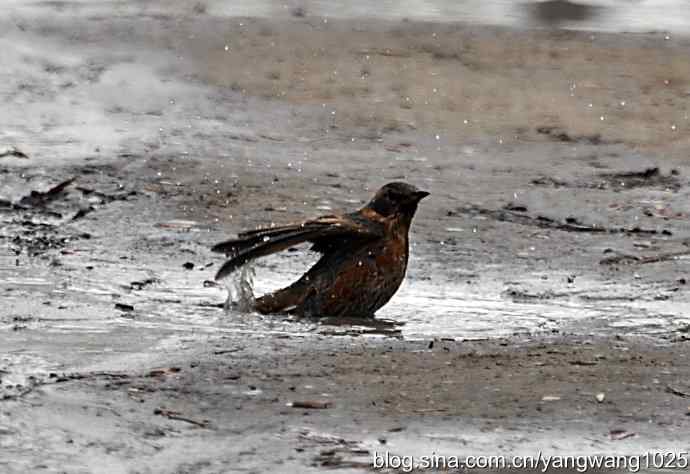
(677, 392)
(570, 225)
(15, 152)
(174, 415)
(628, 258)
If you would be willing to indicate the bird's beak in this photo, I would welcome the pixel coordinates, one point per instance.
(421, 195)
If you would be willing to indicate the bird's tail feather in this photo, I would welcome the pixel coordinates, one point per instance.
(282, 301)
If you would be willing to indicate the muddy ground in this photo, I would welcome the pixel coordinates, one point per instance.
(546, 302)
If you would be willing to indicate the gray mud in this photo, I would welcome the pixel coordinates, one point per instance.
(548, 267)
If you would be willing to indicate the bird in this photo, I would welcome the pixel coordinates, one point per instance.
(364, 256)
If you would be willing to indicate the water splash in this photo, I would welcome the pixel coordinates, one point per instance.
(241, 290)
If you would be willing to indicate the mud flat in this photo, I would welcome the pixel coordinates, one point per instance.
(547, 300)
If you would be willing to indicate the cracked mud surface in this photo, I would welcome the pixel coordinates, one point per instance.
(549, 265)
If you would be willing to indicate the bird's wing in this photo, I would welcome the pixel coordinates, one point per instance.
(261, 242)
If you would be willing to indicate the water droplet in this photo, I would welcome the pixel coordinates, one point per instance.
(622, 103)
(438, 137)
(602, 118)
(673, 127)
(227, 48)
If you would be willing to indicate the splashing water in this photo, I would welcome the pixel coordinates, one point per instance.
(241, 290)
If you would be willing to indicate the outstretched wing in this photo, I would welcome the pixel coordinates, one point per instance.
(321, 231)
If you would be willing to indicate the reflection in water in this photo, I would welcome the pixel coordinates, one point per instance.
(360, 326)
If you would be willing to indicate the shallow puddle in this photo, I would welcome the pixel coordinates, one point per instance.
(69, 301)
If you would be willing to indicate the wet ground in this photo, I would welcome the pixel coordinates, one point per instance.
(546, 302)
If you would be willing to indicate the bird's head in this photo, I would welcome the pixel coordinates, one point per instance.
(397, 198)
